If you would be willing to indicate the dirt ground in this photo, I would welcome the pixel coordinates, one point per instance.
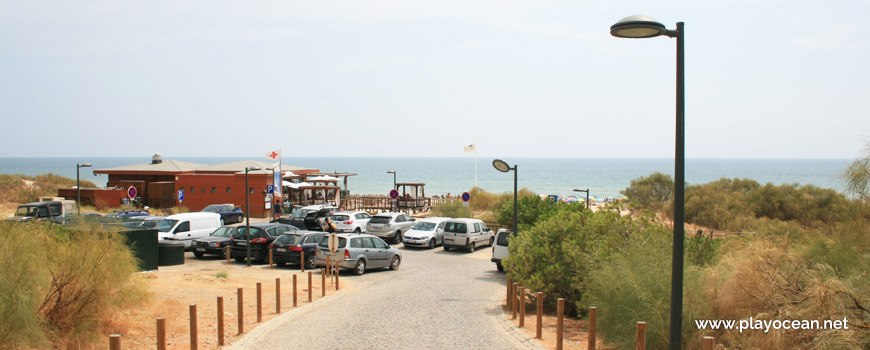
(200, 282)
(575, 335)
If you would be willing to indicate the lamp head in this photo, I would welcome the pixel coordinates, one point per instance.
(638, 26)
(255, 167)
(580, 190)
(501, 165)
(391, 172)
(85, 165)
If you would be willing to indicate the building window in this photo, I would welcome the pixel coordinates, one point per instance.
(251, 190)
(213, 190)
(192, 189)
(203, 189)
(229, 190)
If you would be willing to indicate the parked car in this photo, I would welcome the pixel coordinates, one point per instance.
(427, 232)
(50, 211)
(228, 212)
(359, 252)
(350, 221)
(288, 248)
(143, 221)
(126, 213)
(262, 235)
(500, 249)
(215, 244)
(309, 217)
(467, 234)
(186, 227)
(390, 226)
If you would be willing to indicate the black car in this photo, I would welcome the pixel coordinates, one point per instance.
(287, 248)
(215, 244)
(310, 217)
(229, 213)
(262, 235)
(127, 213)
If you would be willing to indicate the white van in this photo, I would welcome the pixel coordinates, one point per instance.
(188, 226)
(500, 249)
(466, 234)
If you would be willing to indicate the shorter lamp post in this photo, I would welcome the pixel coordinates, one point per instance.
(248, 215)
(394, 178)
(587, 195)
(502, 166)
(78, 187)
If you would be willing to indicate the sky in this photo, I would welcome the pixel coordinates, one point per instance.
(407, 78)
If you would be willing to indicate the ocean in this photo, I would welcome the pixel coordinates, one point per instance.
(604, 177)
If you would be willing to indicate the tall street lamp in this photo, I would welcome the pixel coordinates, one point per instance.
(587, 195)
(394, 178)
(248, 215)
(646, 27)
(500, 165)
(78, 187)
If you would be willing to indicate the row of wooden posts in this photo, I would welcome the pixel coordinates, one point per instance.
(331, 273)
(516, 301)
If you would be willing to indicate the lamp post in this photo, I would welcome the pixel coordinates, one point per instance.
(394, 178)
(248, 215)
(646, 27)
(587, 195)
(500, 165)
(78, 187)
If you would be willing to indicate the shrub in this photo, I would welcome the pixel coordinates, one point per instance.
(78, 278)
(531, 210)
(652, 192)
(451, 208)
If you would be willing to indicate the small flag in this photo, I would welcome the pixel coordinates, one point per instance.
(469, 148)
(273, 155)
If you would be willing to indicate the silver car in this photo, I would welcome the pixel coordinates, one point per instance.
(359, 252)
(427, 232)
(390, 226)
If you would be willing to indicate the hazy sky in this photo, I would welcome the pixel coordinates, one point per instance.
(765, 79)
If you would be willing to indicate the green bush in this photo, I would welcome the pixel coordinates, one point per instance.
(531, 210)
(77, 278)
(652, 192)
(451, 208)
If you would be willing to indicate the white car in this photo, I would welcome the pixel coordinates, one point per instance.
(500, 248)
(350, 221)
(390, 226)
(427, 232)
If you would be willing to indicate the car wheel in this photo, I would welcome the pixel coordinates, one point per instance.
(222, 221)
(309, 262)
(198, 254)
(491, 240)
(360, 267)
(394, 265)
(357, 231)
(398, 238)
(240, 259)
(432, 243)
(446, 248)
(471, 247)
(499, 267)
(279, 263)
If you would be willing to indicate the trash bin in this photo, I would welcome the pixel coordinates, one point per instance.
(170, 253)
(143, 242)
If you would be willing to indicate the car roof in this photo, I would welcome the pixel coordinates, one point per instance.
(350, 212)
(391, 214)
(183, 216)
(266, 224)
(465, 220)
(435, 219)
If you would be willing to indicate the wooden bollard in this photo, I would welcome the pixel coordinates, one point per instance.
(707, 343)
(328, 266)
(270, 258)
(522, 303)
(540, 311)
(590, 344)
(220, 320)
(277, 295)
(194, 332)
(294, 290)
(161, 333)
(560, 311)
(514, 298)
(228, 255)
(508, 300)
(241, 311)
(259, 302)
(302, 260)
(641, 336)
(322, 282)
(309, 286)
(114, 342)
(337, 287)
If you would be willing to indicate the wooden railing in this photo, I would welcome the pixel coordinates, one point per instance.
(383, 204)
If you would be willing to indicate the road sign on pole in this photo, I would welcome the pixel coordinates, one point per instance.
(270, 188)
(466, 197)
(394, 194)
(180, 195)
(131, 192)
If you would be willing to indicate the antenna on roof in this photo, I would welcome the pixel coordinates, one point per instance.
(157, 159)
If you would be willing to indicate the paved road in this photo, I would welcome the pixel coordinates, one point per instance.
(436, 300)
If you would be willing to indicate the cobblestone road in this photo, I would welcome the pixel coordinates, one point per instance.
(436, 300)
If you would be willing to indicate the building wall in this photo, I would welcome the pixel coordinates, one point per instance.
(100, 198)
(201, 190)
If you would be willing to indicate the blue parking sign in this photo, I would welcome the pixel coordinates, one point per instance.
(181, 195)
(270, 188)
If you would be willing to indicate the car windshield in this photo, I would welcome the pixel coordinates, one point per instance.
(27, 211)
(149, 223)
(255, 232)
(424, 226)
(340, 217)
(223, 232)
(289, 239)
(380, 220)
(301, 213)
(166, 225)
(212, 208)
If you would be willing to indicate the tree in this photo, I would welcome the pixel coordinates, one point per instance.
(857, 175)
(651, 192)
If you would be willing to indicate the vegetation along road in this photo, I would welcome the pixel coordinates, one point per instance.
(436, 300)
